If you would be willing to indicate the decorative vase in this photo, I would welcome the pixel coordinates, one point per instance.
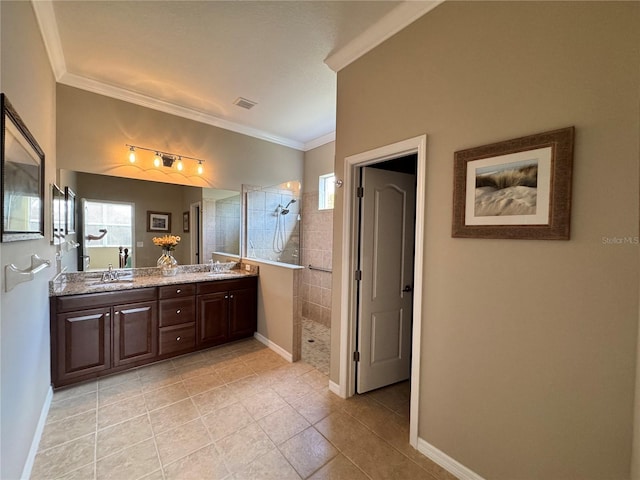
(167, 263)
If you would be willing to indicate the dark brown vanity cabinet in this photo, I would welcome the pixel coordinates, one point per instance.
(94, 333)
(226, 311)
(177, 305)
(97, 334)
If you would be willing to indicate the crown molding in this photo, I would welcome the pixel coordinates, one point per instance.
(46, 18)
(394, 21)
(118, 93)
(318, 142)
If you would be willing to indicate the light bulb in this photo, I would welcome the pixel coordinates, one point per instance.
(200, 169)
(132, 155)
(179, 164)
(157, 160)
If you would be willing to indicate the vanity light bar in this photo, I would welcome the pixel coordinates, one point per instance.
(165, 159)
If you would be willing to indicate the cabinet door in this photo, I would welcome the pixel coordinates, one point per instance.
(135, 332)
(84, 342)
(213, 324)
(243, 314)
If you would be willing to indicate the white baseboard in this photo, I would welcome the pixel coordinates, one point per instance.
(445, 461)
(275, 347)
(35, 443)
(335, 388)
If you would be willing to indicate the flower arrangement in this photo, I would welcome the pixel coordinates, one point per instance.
(167, 242)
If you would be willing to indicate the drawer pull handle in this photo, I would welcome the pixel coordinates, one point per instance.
(178, 291)
(178, 311)
(178, 339)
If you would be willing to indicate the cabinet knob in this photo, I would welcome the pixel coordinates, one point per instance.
(178, 311)
(178, 339)
(226, 296)
(107, 314)
(230, 296)
(178, 290)
(117, 313)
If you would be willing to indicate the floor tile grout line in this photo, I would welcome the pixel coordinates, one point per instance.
(386, 442)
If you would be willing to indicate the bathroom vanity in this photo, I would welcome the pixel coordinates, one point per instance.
(101, 327)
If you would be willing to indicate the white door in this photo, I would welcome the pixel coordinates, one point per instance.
(386, 261)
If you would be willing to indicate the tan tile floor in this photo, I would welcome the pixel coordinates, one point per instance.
(237, 412)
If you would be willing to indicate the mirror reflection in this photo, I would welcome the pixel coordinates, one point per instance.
(117, 221)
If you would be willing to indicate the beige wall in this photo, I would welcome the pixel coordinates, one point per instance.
(93, 130)
(318, 161)
(528, 347)
(278, 305)
(27, 80)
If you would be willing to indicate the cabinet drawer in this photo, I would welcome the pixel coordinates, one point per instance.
(177, 338)
(93, 300)
(226, 285)
(174, 311)
(175, 291)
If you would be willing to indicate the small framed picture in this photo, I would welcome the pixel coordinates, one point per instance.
(158, 222)
(185, 222)
(516, 189)
(70, 204)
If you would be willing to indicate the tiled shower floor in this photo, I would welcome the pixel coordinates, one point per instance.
(316, 345)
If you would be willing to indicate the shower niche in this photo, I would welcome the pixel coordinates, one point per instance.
(273, 222)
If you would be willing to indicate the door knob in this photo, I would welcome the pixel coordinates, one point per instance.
(407, 288)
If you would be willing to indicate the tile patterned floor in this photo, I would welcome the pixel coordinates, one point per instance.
(316, 340)
(237, 412)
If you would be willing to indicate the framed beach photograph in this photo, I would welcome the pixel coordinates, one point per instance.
(185, 222)
(158, 222)
(516, 189)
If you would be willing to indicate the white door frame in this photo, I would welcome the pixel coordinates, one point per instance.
(349, 258)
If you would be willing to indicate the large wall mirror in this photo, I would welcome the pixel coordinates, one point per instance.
(113, 211)
(22, 179)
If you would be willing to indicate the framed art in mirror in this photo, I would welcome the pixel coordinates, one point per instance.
(22, 187)
(70, 211)
(58, 211)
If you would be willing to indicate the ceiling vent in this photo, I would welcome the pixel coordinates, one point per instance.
(244, 103)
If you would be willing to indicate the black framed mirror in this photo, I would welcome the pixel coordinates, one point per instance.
(22, 187)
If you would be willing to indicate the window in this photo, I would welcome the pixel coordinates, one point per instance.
(116, 218)
(327, 189)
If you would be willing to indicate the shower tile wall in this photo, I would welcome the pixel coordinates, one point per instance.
(222, 226)
(317, 247)
(262, 219)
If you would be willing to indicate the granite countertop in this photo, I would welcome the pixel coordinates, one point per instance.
(131, 278)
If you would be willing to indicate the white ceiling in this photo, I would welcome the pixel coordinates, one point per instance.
(194, 58)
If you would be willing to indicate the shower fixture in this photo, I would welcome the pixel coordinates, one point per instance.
(284, 210)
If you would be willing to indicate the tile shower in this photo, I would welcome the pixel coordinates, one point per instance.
(273, 222)
(315, 288)
(285, 226)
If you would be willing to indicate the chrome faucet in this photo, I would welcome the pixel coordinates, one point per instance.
(110, 275)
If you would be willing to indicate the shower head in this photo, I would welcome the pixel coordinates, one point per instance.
(285, 209)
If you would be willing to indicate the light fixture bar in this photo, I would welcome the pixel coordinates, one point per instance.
(166, 159)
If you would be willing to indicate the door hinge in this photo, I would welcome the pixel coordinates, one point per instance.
(358, 275)
(360, 192)
(356, 356)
